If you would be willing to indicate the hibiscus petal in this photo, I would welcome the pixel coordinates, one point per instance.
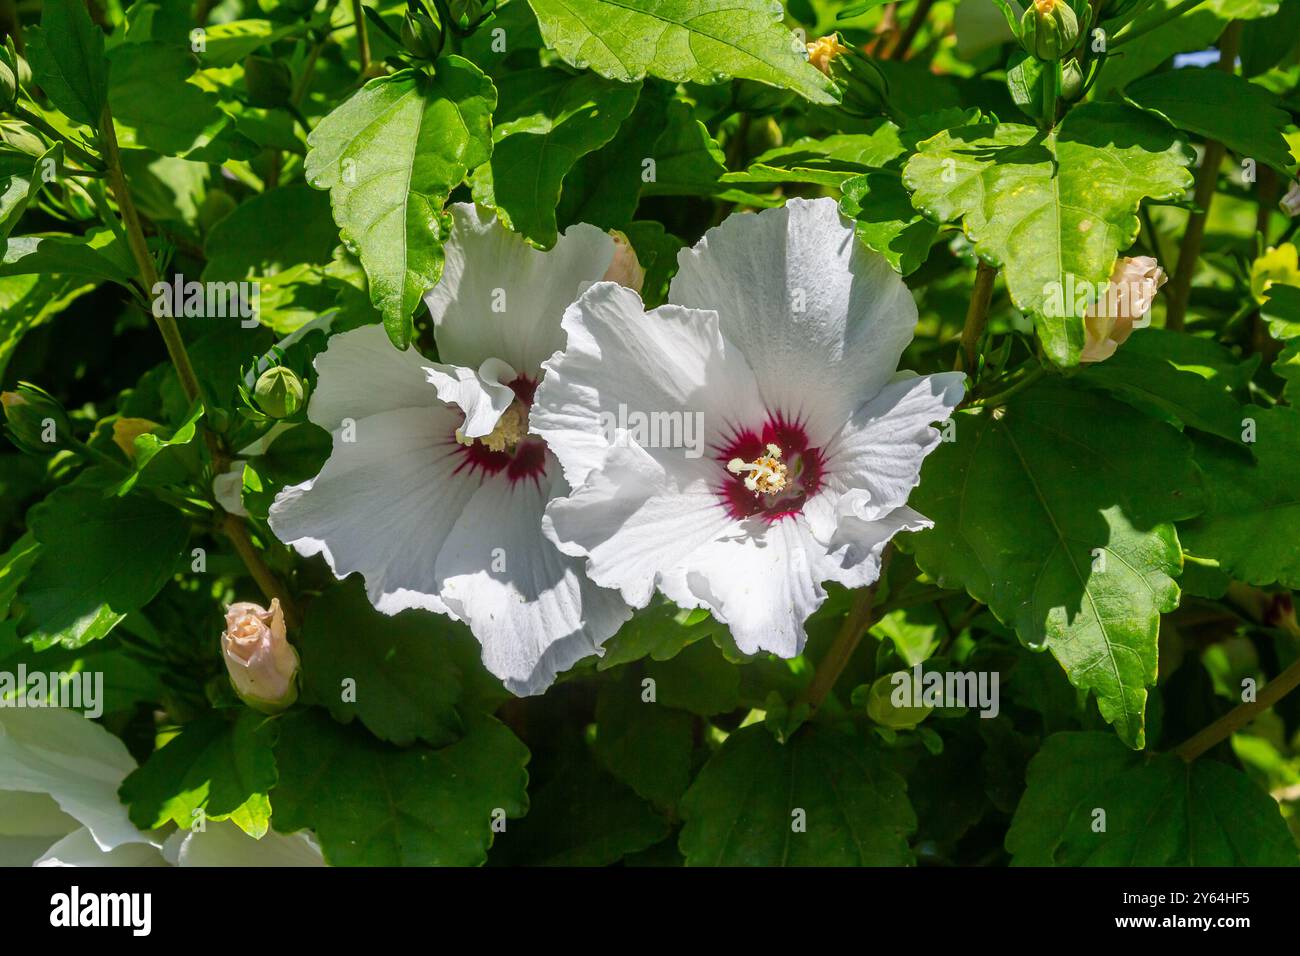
(667, 377)
(360, 374)
(483, 396)
(383, 505)
(74, 760)
(501, 297)
(531, 608)
(873, 464)
(632, 520)
(821, 320)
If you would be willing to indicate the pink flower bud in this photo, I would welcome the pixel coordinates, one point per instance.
(1291, 201)
(261, 661)
(626, 268)
(1126, 300)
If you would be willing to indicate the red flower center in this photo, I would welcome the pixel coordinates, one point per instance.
(526, 460)
(747, 455)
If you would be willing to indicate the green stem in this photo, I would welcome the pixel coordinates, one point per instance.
(1000, 398)
(1241, 715)
(846, 642)
(913, 27)
(363, 37)
(977, 318)
(1134, 31)
(74, 150)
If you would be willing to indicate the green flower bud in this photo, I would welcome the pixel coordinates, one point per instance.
(861, 82)
(1049, 29)
(20, 137)
(278, 392)
(1071, 80)
(9, 77)
(35, 420)
(268, 81)
(893, 701)
(421, 36)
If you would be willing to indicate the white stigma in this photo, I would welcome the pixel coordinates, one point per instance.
(510, 430)
(766, 474)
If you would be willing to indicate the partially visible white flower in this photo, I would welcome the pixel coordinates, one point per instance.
(785, 340)
(228, 489)
(1290, 203)
(59, 777)
(1109, 322)
(434, 490)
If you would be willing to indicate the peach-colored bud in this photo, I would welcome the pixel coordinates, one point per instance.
(262, 663)
(127, 430)
(1291, 201)
(625, 269)
(1109, 321)
(825, 49)
(11, 399)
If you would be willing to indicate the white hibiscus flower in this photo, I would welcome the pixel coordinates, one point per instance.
(59, 776)
(784, 337)
(434, 491)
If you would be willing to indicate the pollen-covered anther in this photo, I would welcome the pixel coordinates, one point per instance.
(510, 430)
(764, 475)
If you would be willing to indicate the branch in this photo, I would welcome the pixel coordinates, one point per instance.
(913, 27)
(855, 625)
(1180, 290)
(1241, 715)
(977, 317)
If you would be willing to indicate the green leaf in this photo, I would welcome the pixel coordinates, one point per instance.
(271, 232)
(660, 631)
(747, 805)
(223, 767)
(1252, 516)
(1053, 209)
(389, 156)
(885, 220)
(27, 301)
(1056, 514)
(687, 41)
(155, 107)
(67, 59)
(20, 189)
(1154, 371)
(404, 671)
(826, 162)
(373, 804)
(604, 186)
(163, 461)
(698, 679)
(547, 121)
(98, 255)
(581, 816)
(644, 744)
(1160, 810)
(100, 558)
(1245, 117)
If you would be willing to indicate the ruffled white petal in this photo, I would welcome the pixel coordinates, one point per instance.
(482, 396)
(499, 297)
(224, 844)
(360, 374)
(531, 608)
(75, 761)
(634, 521)
(821, 319)
(383, 505)
(874, 462)
(80, 849)
(668, 378)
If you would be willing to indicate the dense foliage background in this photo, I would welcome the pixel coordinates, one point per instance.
(1116, 540)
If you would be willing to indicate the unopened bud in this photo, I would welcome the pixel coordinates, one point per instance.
(421, 36)
(278, 392)
(895, 701)
(262, 664)
(1071, 80)
(1049, 29)
(20, 137)
(1109, 321)
(34, 419)
(625, 269)
(1290, 203)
